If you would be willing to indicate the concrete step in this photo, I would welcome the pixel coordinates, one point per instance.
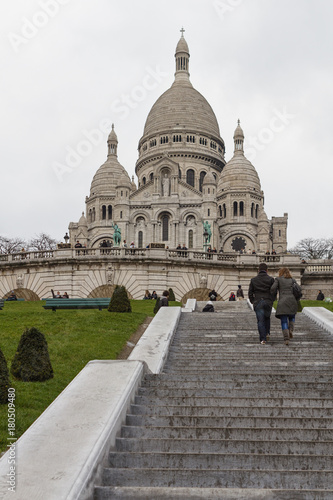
(211, 478)
(166, 493)
(265, 392)
(234, 402)
(217, 411)
(223, 446)
(230, 422)
(219, 461)
(239, 383)
(239, 433)
(200, 381)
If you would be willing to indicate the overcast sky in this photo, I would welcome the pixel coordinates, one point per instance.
(70, 66)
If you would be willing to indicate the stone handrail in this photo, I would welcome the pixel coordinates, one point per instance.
(162, 254)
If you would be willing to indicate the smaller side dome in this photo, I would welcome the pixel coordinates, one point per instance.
(209, 179)
(133, 185)
(82, 220)
(124, 181)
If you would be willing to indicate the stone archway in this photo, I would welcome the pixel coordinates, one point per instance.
(23, 293)
(200, 294)
(104, 291)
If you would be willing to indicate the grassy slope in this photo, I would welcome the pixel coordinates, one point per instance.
(74, 338)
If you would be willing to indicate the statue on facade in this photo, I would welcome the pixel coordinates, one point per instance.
(116, 234)
(165, 185)
(207, 232)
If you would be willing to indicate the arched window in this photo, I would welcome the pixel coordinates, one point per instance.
(93, 214)
(257, 211)
(103, 212)
(190, 239)
(220, 210)
(140, 239)
(224, 210)
(165, 227)
(241, 208)
(143, 180)
(201, 179)
(121, 214)
(179, 173)
(208, 212)
(109, 212)
(252, 210)
(190, 177)
(90, 216)
(235, 208)
(151, 177)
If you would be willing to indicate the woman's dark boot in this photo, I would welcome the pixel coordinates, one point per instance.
(286, 336)
(291, 329)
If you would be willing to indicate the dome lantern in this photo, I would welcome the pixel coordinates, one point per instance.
(182, 56)
(239, 139)
(112, 143)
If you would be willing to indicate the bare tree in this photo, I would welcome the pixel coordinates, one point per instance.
(42, 241)
(311, 248)
(11, 245)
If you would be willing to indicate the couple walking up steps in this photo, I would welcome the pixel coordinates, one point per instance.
(262, 292)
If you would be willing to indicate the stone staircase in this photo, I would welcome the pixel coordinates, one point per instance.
(230, 418)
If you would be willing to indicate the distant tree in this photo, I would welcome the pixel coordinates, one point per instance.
(12, 245)
(42, 241)
(157, 305)
(172, 297)
(31, 362)
(311, 248)
(119, 301)
(4, 379)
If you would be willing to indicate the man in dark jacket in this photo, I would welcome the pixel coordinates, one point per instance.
(262, 300)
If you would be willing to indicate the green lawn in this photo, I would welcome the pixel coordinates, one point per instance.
(74, 338)
(314, 303)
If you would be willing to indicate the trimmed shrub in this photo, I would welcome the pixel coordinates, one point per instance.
(31, 362)
(172, 297)
(157, 305)
(119, 301)
(4, 379)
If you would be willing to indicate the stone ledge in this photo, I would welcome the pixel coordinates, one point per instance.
(320, 315)
(154, 344)
(62, 452)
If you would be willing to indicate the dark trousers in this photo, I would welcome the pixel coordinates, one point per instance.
(263, 312)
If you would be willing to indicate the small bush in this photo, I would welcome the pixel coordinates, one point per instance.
(172, 297)
(157, 305)
(31, 362)
(119, 301)
(4, 379)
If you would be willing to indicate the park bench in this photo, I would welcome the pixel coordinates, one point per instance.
(54, 304)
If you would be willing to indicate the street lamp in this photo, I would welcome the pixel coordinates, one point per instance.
(66, 238)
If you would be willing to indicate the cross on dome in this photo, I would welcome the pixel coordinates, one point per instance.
(182, 32)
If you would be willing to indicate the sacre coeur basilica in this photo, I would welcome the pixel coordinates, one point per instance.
(183, 181)
(187, 196)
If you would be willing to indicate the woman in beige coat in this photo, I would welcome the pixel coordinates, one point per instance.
(287, 305)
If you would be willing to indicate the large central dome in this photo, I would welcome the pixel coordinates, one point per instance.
(182, 107)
